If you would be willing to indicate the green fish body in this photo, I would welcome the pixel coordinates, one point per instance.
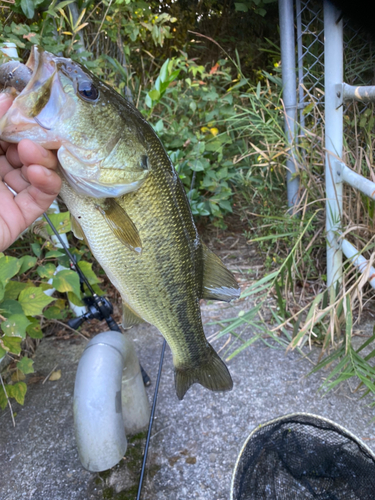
(127, 201)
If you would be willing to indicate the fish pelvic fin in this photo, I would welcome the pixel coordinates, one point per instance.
(212, 373)
(218, 282)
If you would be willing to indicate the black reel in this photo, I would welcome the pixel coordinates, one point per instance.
(97, 308)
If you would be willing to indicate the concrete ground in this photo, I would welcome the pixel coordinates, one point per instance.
(195, 442)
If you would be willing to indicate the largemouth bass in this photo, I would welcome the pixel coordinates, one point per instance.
(127, 201)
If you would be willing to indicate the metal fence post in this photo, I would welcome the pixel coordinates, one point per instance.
(288, 67)
(333, 76)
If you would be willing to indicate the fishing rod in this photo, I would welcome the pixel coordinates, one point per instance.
(151, 421)
(98, 307)
(103, 306)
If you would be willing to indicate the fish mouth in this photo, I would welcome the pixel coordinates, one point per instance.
(43, 66)
(40, 104)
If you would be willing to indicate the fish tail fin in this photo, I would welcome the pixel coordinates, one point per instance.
(212, 373)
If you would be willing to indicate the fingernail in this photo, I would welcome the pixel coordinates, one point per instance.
(47, 172)
(4, 97)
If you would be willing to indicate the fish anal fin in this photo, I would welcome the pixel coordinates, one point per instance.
(129, 317)
(121, 224)
(212, 373)
(218, 282)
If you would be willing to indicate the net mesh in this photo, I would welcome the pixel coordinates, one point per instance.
(303, 457)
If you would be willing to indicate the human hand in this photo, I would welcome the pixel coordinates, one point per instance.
(29, 169)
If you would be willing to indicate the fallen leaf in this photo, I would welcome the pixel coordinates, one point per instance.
(173, 460)
(35, 379)
(17, 376)
(191, 460)
(55, 375)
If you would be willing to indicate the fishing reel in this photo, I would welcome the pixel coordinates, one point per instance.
(97, 308)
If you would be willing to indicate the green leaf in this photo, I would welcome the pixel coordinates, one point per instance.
(86, 268)
(2, 352)
(241, 7)
(33, 300)
(26, 365)
(9, 267)
(61, 221)
(54, 254)
(2, 290)
(17, 391)
(53, 312)
(45, 286)
(75, 300)
(34, 330)
(164, 71)
(154, 94)
(14, 288)
(46, 271)
(28, 8)
(67, 281)
(3, 398)
(9, 307)
(308, 108)
(36, 248)
(27, 262)
(197, 166)
(15, 325)
(214, 146)
(64, 261)
(13, 344)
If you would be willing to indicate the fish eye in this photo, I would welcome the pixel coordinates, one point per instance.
(88, 91)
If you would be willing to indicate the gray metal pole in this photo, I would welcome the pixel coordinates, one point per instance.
(288, 67)
(301, 94)
(333, 75)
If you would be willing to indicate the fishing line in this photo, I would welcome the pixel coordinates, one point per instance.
(101, 306)
(151, 421)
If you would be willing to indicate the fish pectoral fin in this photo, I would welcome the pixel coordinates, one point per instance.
(212, 373)
(129, 317)
(121, 224)
(76, 228)
(218, 283)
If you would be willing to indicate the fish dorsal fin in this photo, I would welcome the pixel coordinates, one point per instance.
(76, 228)
(121, 224)
(218, 283)
(129, 317)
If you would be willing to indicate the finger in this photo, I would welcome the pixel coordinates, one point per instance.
(13, 220)
(5, 166)
(3, 147)
(33, 201)
(31, 154)
(13, 156)
(5, 103)
(44, 180)
(16, 179)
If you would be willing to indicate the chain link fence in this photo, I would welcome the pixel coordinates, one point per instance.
(359, 68)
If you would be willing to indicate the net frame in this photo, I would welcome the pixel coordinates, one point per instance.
(285, 419)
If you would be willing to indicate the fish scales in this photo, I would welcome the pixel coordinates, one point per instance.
(128, 203)
(174, 268)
